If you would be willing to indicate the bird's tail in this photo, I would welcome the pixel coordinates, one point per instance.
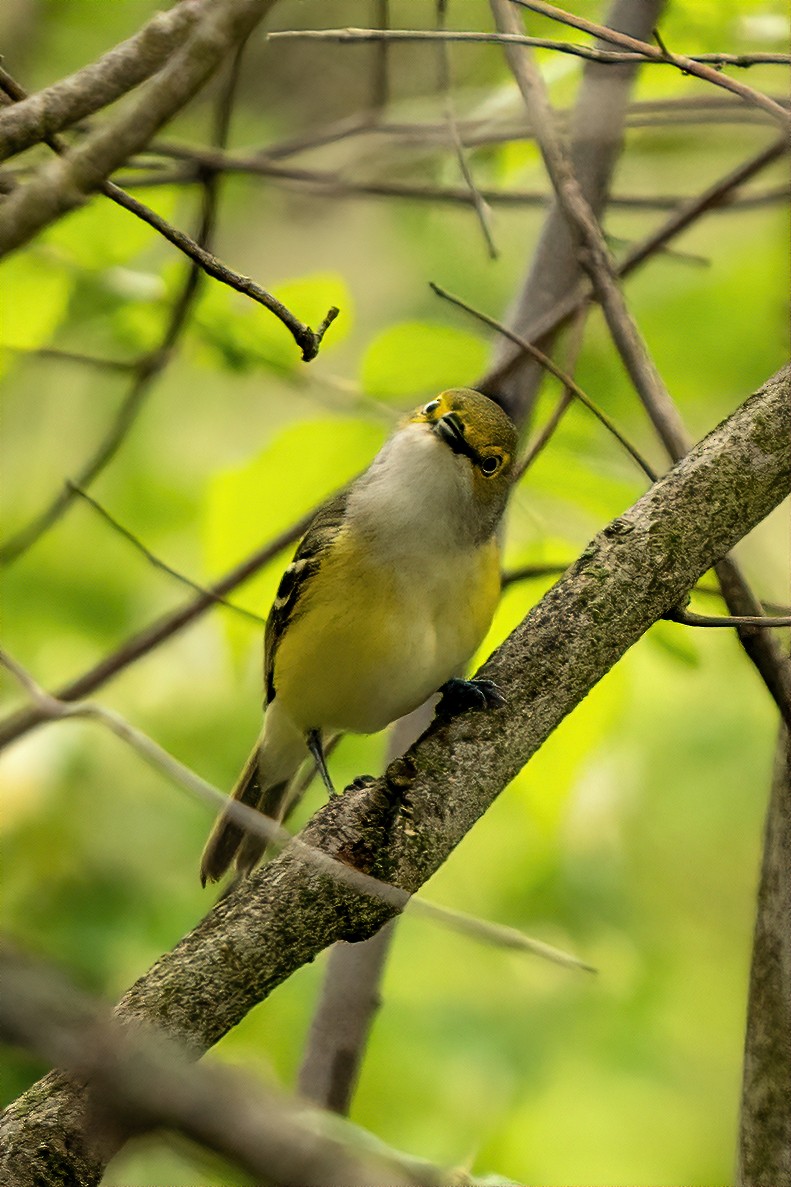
(263, 784)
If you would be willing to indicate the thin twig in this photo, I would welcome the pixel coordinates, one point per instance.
(480, 206)
(329, 183)
(555, 370)
(270, 830)
(142, 548)
(380, 74)
(86, 360)
(651, 54)
(688, 618)
(351, 35)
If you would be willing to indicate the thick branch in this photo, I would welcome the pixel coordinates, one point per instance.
(765, 1124)
(124, 67)
(65, 183)
(143, 1082)
(404, 826)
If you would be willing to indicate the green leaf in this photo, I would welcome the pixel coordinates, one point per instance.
(415, 358)
(102, 234)
(676, 641)
(252, 503)
(38, 294)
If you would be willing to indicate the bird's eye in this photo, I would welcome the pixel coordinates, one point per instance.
(432, 406)
(490, 465)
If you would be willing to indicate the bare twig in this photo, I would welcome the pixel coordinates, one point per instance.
(85, 360)
(380, 73)
(328, 183)
(689, 618)
(478, 201)
(652, 54)
(349, 36)
(137, 543)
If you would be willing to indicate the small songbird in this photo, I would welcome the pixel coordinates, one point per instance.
(390, 592)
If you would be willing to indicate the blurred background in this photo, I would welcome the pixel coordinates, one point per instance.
(634, 836)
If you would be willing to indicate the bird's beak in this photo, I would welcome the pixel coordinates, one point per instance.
(451, 429)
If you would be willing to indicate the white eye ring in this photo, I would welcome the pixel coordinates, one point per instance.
(490, 465)
(432, 406)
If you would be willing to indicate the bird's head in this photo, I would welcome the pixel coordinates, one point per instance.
(482, 437)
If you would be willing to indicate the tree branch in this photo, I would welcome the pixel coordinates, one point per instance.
(652, 53)
(142, 1082)
(124, 67)
(404, 826)
(765, 1122)
(351, 36)
(65, 183)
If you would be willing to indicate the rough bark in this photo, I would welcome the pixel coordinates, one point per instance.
(765, 1137)
(404, 826)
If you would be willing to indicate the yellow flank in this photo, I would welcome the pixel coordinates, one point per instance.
(372, 639)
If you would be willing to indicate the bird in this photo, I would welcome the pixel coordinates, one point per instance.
(389, 594)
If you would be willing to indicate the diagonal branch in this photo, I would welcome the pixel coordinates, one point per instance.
(142, 1082)
(404, 826)
(683, 63)
(65, 183)
(124, 67)
(596, 260)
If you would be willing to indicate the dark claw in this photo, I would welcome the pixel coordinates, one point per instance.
(460, 695)
(362, 781)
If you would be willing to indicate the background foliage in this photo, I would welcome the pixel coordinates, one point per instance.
(633, 837)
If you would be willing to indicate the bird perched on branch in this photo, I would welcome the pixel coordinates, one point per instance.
(390, 592)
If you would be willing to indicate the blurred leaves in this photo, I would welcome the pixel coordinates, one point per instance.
(414, 359)
(633, 835)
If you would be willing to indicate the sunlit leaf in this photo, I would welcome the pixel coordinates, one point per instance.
(250, 504)
(411, 359)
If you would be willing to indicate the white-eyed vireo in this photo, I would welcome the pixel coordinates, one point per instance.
(390, 592)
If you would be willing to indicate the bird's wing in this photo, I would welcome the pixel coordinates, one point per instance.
(297, 578)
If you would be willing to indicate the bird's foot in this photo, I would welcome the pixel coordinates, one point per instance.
(360, 781)
(460, 695)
